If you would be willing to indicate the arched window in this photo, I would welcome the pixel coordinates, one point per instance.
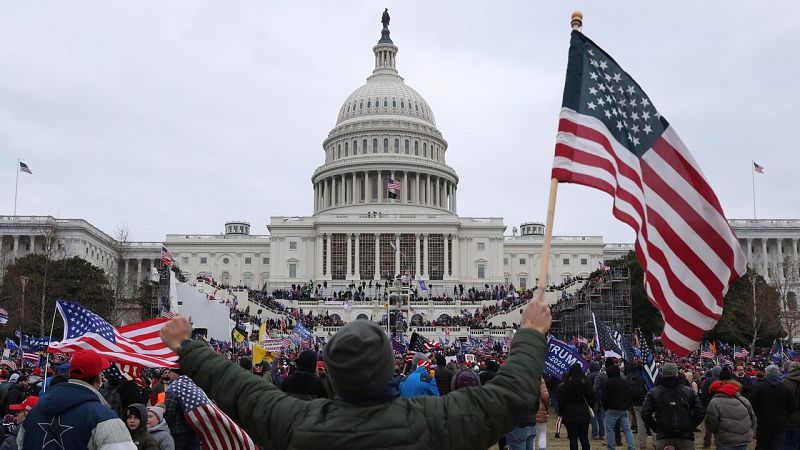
(416, 106)
(362, 317)
(406, 146)
(364, 146)
(346, 150)
(397, 145)
(394, 103)
(369, 104)
(339, 151)
(385, 102)
(355, 148)
(348, 108)
(402, 104)
(416, 148)
(361, 106)
(385, 145)
(416, 320)
(424, 149)
(374, 146)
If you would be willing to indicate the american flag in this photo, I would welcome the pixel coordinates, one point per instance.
(741, 353)
(611, 137)
(168, 314)
(707, 353)
(166, 256)
(216, 429)
(649, 363)
(24, 168)
(758, 168)
(612, 342)
(419, 343)
(138, 344)
(124, 372)
(392, 186)
(31, 358)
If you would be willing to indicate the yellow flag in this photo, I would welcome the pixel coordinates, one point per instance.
(262, 332)
(238, 336)
(261, 354)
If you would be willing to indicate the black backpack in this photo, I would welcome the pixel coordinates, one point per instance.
(673, 413)
(637, 386)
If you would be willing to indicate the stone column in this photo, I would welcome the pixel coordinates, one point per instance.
(416, 191)
(428, 198)
(416, 254)
(138, 271)
(794, 258)
(396, 255)
(764, 262)
(125, 271)
(333, 191)
(427, 255)
(749, 243)
(357, 270)
(349, 255)
(356, 189)
(377, 256)
(16, 247)
(318, 244)
(316, 195)
(779, 265)
(455, 197)
(367, 188)
(404, 191)
(328, 255)
(446, 258)
(456, 258)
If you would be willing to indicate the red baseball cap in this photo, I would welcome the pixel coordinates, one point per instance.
(26, 404)
(87, 364)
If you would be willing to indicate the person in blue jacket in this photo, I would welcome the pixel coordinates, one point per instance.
(73, 415)
(420, 382)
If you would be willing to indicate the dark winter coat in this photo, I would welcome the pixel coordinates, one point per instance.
(616, 393)
(651, 402)
(575, 397)
(304, 385)
(792, 382)
(444, 377)
(16, 394)
(773, 403)
(141, 438)
(475, 417)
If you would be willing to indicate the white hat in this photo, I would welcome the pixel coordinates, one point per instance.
(13, 378)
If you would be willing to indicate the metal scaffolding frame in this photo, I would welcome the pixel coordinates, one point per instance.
(609, 300)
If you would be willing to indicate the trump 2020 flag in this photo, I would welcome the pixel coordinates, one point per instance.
(215, 428)
(612, 138)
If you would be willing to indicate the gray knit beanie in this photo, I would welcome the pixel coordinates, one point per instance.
(359, 359)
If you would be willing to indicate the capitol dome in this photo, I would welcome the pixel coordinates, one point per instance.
(385, 149)
(385, 94)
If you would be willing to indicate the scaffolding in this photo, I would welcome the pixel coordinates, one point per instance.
(607, 295)
(159, 298)
(398, 306)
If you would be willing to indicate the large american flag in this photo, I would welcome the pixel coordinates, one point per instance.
(137, 344)
(611, 137)
(215, 428)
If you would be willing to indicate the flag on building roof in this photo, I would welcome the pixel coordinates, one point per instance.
(166, 256)
(613, 343)
(216, 429)
(758, 168)
(24, 168)
(649, 366)
(612, 138)
(137, 344)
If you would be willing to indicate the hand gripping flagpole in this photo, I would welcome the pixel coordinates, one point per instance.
(576, 23)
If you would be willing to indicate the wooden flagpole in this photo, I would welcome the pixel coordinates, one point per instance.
(576, 23)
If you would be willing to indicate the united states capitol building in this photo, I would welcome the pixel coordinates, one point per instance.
(385, 133)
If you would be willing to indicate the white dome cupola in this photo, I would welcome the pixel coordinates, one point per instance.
(385, 130)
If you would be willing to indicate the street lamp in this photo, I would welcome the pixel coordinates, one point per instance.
(24, 281)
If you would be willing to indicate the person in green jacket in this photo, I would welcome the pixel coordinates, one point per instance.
(366, 413)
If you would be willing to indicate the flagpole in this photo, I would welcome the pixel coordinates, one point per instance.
(16, 189)
(52, 325)
(753, 176)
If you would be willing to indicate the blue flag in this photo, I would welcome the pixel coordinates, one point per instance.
(560, 357)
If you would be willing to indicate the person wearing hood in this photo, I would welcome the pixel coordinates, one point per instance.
(74, 414)
(672, 411)
(136, 420)
(705, 397)
(464, 378)
(304, 383)
(730, 416)
(617, 401)
(792, 382)
(420, 382)
(444, 376)
(158, 428)
(773, 404)
(18, 385)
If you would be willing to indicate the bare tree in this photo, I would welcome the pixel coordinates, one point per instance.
(120, 281)
(787, 284)
(52, 249)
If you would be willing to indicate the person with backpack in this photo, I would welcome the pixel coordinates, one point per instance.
(773, 404)
(792, 382)
(617, 401)
(672, 411)
(730, 416)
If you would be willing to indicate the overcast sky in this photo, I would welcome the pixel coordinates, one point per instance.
(173, 117)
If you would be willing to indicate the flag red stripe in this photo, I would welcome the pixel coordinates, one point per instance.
(698, 223)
